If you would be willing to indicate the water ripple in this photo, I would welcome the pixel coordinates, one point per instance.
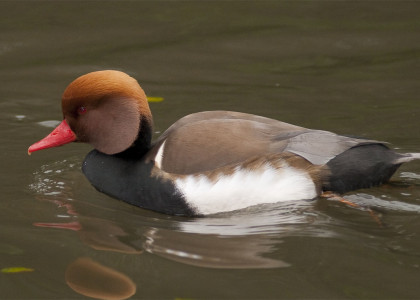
(375, 202)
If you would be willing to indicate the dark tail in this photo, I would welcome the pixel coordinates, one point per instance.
(363, 166)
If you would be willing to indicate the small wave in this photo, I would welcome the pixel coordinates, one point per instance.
(49, 123)
(410, 175)
(50, 180)
(286, 218)
(372, 201)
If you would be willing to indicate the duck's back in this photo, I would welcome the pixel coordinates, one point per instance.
(209, 140)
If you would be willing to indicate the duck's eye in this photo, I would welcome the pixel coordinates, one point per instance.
(81, 110)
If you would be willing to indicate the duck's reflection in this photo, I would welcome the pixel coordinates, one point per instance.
(193, 248)
(97, 233)
(95, 280)
(212, 251)
(101, 234)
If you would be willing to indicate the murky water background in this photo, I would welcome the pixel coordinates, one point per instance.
(348, 67)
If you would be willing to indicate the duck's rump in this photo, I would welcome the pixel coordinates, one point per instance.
(363, 166)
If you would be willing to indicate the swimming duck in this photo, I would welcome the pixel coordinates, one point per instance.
(211, 161)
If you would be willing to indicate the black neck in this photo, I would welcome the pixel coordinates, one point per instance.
(143, 142)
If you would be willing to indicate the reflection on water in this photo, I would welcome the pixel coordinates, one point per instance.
(213, 251)
(105, 235)
(97, 233)
(277, 219)
(84, 275)
(95, 280)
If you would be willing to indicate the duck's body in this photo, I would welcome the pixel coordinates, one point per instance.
(209, 162)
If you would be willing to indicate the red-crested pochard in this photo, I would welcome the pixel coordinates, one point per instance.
(207, 162)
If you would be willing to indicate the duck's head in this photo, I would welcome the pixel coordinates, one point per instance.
(107, 109)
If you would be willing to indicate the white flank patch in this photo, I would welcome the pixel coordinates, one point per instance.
(159, 156)
(245, 188)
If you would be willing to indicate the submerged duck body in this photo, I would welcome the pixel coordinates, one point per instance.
(207, 162)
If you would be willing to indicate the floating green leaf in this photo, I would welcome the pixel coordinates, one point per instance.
(155, 99)
(16, 270)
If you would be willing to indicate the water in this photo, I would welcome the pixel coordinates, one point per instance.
(349, 67)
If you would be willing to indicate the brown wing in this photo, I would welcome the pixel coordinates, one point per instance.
(204, 141)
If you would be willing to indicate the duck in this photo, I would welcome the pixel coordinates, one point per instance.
(207, 162)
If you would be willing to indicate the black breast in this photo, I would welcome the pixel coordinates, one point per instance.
(132, 181)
